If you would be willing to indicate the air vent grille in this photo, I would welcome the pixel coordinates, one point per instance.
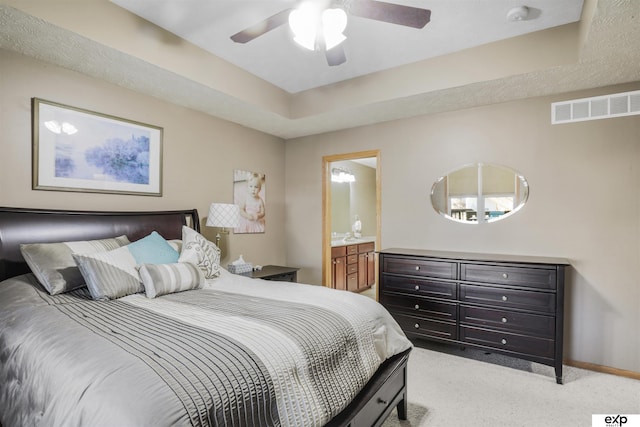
(599, 107)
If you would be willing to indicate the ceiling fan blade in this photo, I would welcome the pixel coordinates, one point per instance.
(262, 27)
(336, 56)
(392, 13)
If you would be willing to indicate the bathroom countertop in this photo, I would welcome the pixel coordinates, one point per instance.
(339, 241)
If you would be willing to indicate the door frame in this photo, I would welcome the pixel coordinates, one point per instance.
(326, 208)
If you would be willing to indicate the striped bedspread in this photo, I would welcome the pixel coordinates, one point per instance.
(241, 352)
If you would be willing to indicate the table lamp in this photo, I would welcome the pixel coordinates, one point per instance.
(223, 215)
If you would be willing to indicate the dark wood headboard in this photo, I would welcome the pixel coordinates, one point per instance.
(19, 225)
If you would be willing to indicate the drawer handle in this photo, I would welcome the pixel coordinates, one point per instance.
(417, 267)
(504, 341)
(382, 401)
(417, 307)
(504, 320)
(505, 275)
(504, 298)
(417, 326)
(417, 288)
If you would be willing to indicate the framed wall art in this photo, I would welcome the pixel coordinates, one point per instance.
(249, 193)
(81, 150)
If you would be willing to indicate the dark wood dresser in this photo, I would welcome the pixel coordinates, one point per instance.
(505, 304)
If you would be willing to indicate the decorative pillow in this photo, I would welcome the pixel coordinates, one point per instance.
(110, 274)
(114, 274)
(53, 264)
(161, 279)
(153, 249)
(201, 252)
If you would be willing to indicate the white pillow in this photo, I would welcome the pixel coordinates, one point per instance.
(201, 252)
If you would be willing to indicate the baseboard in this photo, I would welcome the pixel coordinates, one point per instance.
(604, 369)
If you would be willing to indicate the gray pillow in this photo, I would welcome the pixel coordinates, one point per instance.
(161, 279)
(110, 275)
(53, 263)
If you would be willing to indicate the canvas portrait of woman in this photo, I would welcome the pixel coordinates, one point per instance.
(249, 194)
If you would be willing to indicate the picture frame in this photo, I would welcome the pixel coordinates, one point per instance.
(249, 194)
(84, 151)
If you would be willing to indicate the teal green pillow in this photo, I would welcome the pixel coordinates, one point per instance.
(153, 249)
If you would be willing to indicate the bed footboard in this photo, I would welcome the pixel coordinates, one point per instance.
(385, 391)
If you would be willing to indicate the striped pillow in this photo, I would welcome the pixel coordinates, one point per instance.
(161, 279)
(110, 274)
(53, 264)
(114, 274)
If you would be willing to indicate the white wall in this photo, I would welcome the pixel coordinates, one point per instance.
(200, 153)
(584, 204)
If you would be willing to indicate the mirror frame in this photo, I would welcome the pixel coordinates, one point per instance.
(481, 219)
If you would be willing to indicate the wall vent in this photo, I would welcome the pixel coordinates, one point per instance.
(598, 107)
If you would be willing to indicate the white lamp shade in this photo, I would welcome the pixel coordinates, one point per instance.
(223, 215)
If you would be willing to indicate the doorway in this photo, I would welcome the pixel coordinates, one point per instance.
(343, 198)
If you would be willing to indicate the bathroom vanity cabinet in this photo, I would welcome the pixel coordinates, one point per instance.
(513, 305)
(353, 266)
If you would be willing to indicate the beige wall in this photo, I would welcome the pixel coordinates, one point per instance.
(584, 204)
(200, 153)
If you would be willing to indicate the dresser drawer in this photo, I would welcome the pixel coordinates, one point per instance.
(420, 267)
(530, 277)
(419, 306)
(524, 344)
(352, 259)
(424, 287)
(512, 298)
(427, 327)
(352, 249)
(510, 321)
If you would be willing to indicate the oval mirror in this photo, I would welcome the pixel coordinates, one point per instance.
(495, 191)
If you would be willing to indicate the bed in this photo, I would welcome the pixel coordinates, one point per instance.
(228, 351)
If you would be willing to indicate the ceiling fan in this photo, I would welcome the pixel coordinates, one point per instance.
(334, 50)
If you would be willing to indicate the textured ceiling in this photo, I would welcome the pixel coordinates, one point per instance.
(370, 45)
(607, 53)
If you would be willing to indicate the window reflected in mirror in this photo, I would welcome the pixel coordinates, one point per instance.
(492, 190)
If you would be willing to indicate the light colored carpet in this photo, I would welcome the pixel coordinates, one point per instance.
(448, 387)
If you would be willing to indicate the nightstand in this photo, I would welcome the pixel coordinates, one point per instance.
(276, 272)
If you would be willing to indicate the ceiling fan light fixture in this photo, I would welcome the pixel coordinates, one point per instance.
(302, 22)
(308, 24)
(334, 22)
